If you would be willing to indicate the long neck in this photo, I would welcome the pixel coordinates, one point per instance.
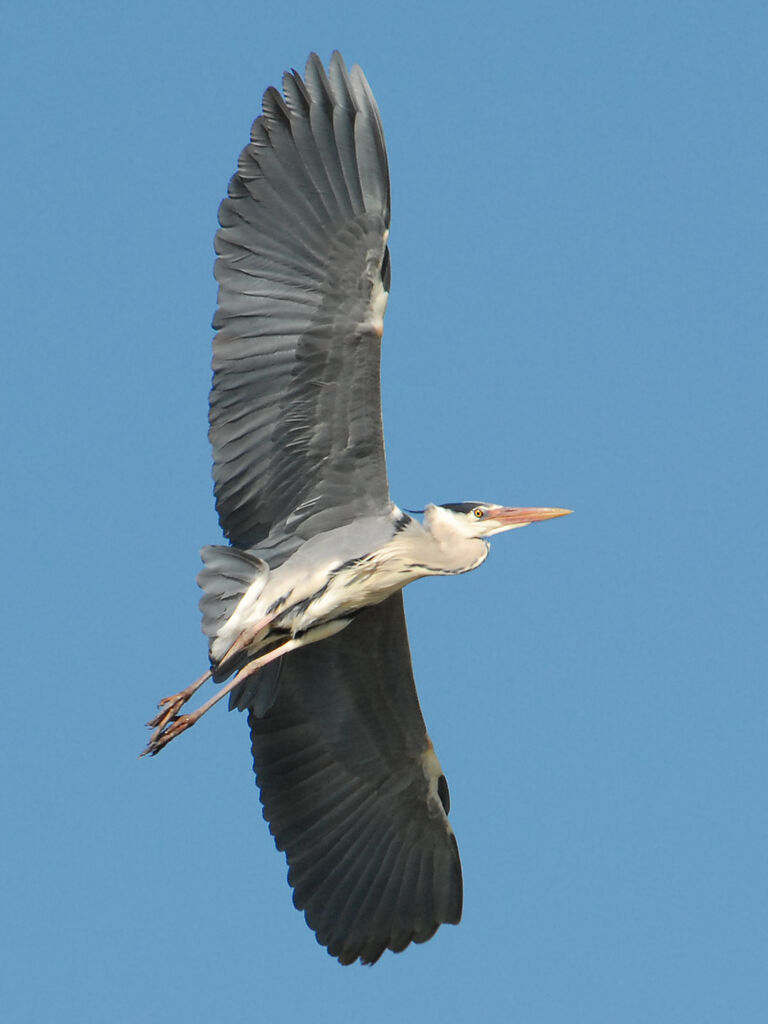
(439, 550)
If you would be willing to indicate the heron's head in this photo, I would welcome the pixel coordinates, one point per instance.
(480, 519)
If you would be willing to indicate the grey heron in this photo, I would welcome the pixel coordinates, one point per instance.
(303, 608)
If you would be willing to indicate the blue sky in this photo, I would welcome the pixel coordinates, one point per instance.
(578, 318)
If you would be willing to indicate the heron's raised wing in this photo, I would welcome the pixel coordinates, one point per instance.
(295, 417)
(354, 793)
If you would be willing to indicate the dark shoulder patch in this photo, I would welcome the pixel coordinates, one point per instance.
(402, 521)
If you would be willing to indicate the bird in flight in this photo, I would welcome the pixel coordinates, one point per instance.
(303, 608)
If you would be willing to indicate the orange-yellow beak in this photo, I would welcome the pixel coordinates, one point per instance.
(523, 516)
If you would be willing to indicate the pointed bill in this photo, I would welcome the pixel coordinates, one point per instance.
(523, 516)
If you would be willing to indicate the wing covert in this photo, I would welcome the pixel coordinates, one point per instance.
(295, 407)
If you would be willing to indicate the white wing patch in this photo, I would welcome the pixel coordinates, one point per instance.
(379, 298)
(433, 772)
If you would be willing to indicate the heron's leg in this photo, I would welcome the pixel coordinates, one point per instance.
(180, 723)
(170, 706)
(247, 637)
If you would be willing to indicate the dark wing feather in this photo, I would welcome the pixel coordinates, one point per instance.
(295, 417)
(353, 792)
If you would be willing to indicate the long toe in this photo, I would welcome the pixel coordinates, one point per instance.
(169, 707)
(162, 737)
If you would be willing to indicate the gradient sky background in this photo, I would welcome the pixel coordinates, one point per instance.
(578, 317)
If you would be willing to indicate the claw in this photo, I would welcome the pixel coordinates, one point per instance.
(171, 706)
(164, 735)
(164, 723)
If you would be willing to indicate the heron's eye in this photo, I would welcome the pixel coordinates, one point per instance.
(478, 513)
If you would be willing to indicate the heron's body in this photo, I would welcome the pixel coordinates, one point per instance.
(303, 611)
(332, 576)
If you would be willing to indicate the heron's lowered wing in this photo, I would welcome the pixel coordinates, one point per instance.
(354, 794)
(295, 418)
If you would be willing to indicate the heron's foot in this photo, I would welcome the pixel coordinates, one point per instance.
(169, 723)
(169, 730)
(166, 722)
(169, 708)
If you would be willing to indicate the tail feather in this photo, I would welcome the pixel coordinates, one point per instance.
(228, 573)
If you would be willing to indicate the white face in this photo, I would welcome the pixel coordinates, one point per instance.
(476, 522)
